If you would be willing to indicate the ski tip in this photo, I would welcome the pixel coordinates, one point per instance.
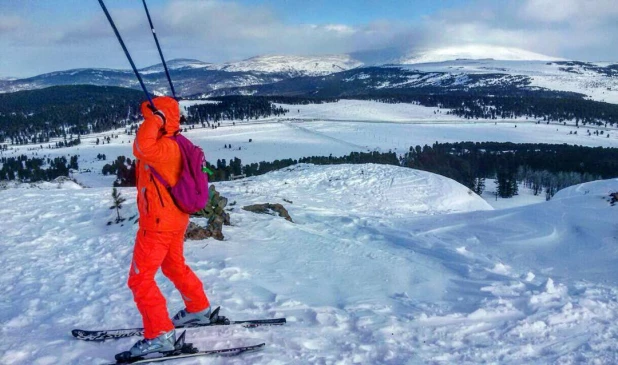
(253, 347)
(77, 333)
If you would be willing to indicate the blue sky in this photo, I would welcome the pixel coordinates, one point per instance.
(39, 36)
(352, 12)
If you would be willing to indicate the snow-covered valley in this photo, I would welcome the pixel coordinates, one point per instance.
(382, 265)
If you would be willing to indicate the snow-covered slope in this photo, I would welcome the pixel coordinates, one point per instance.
(179, 64)
(474, 52)
(382, 265)
(599, 81)
(370, 190)
(295, 65)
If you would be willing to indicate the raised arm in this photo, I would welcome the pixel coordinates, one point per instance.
(150, 144)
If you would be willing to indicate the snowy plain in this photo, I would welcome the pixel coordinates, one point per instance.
(382, 265)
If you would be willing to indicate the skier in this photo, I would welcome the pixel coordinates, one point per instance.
(160, 238)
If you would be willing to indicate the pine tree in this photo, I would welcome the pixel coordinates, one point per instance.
(479, 185)
(117, 201)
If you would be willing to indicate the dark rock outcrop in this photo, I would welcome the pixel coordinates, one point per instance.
(268, 208)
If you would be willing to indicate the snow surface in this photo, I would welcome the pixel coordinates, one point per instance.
(382, 265)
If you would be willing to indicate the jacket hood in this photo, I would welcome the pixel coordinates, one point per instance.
(169, 107)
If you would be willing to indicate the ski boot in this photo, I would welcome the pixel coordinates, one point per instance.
(166, 345)
(201, 318)
(163, 344)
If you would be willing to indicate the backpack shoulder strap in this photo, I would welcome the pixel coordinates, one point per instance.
(159, 177)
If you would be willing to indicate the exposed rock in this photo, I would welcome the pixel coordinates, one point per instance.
(268, 208)
(197, 232)
(217, 216)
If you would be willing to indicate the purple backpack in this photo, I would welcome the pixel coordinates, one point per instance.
(191, 191)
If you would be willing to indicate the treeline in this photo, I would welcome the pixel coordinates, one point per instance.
(69, 143)
(543, 167)
(389, 158)
(540, 106)
(233, 108)
(299, 100)
(124, 168)
(546, 109)
(36, 116)
(35, 169)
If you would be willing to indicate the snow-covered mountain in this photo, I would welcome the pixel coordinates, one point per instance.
(193, 76)
(474, 52)
(462, 68)
(597, 81)
(295, 65)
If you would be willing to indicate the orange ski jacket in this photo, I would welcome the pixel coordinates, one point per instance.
(153, 148)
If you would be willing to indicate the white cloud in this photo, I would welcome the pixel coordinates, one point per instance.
(574, 11)
(577, 29)
(220, 31)
(340, 29)
(10, 23)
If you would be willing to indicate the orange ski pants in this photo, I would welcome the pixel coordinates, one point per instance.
(154, 250)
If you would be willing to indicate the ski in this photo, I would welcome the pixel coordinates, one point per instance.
(184, 350)
(216, 320)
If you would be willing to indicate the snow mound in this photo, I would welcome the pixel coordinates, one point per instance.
(475, 51)
(367, 189)
(600, 188)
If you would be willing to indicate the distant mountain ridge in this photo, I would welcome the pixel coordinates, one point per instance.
(192, 76)
(461, 69)
(195, 76)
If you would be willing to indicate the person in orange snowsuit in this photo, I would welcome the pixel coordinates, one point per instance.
(160, 238)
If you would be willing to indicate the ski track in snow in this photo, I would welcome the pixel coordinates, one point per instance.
(383, 265)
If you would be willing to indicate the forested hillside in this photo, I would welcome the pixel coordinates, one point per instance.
(543, 167)
(36, 116)
(540, 106)
(233, 108)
